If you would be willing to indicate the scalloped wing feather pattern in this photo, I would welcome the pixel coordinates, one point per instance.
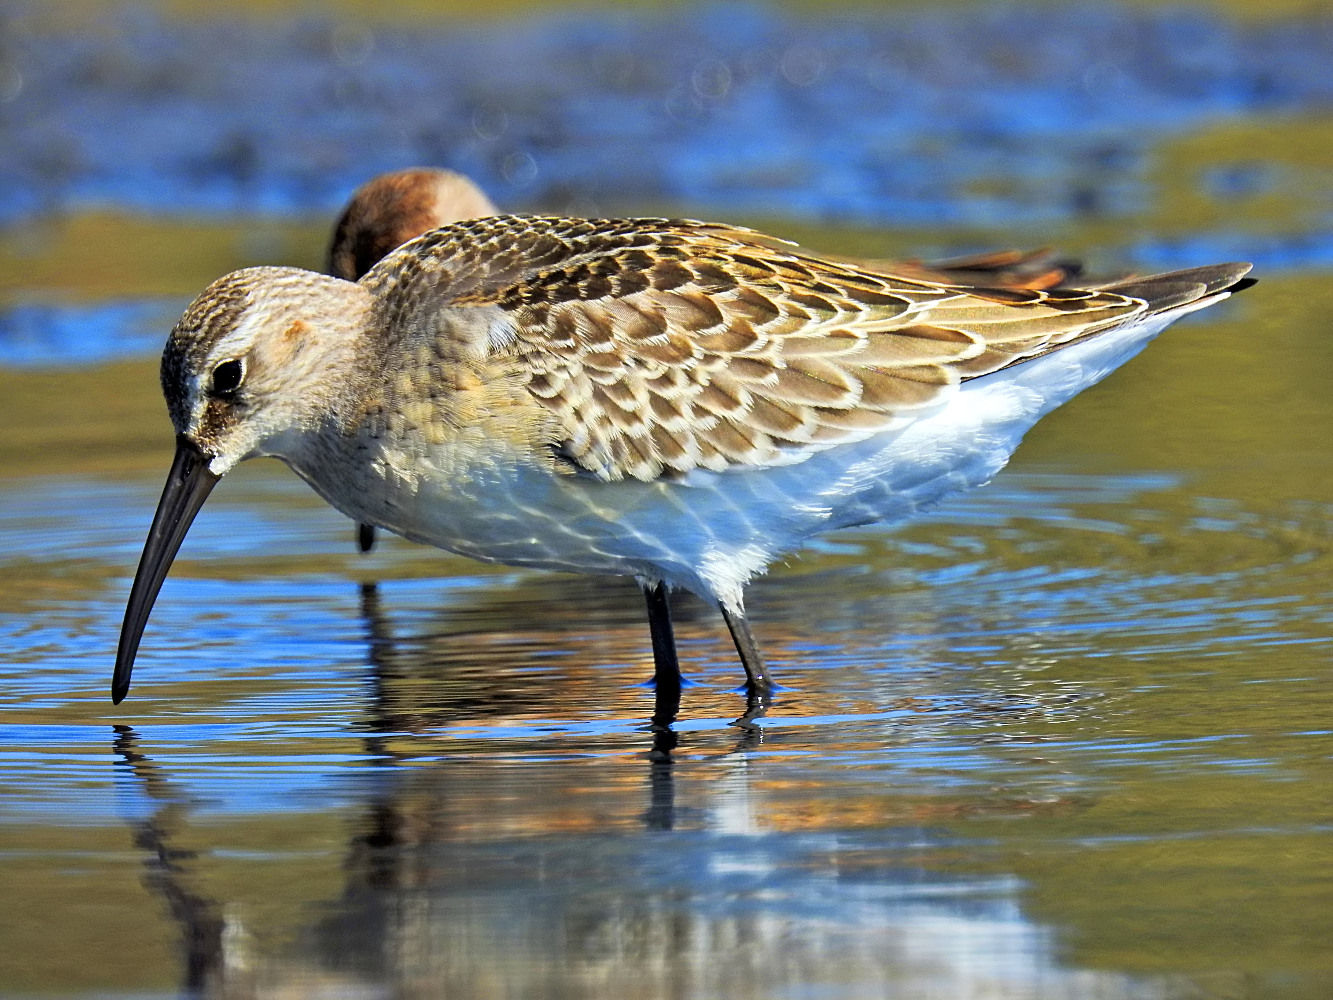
(664, 346)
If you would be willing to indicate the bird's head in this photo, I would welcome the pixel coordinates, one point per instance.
(258, 361)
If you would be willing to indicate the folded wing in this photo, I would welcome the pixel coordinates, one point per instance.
(665, 346)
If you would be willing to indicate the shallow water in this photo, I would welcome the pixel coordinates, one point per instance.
(1067, 737)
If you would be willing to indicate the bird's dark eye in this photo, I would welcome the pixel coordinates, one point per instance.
(227, 377)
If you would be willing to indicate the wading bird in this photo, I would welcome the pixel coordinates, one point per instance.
(677, 401)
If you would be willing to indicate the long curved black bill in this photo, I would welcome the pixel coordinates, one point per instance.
(188, 484)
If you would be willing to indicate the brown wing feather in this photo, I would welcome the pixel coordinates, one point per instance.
(665, 346)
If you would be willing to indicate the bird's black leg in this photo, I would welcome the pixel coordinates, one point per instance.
(666, 666)
(758, 683)
(666, 703)
(365, 537)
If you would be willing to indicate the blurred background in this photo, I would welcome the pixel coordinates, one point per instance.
(1068, 737)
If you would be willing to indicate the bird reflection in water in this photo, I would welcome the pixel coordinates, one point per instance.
(412, 820)
(440, 679)
(168, 868)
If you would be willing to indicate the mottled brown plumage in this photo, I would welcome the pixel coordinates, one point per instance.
(664, 346)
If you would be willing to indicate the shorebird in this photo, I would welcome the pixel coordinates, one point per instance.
(390, 209)
(677, 401)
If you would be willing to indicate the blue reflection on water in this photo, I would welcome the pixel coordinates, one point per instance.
(35, 334)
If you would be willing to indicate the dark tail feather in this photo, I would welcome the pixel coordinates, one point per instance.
(1178, 288)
